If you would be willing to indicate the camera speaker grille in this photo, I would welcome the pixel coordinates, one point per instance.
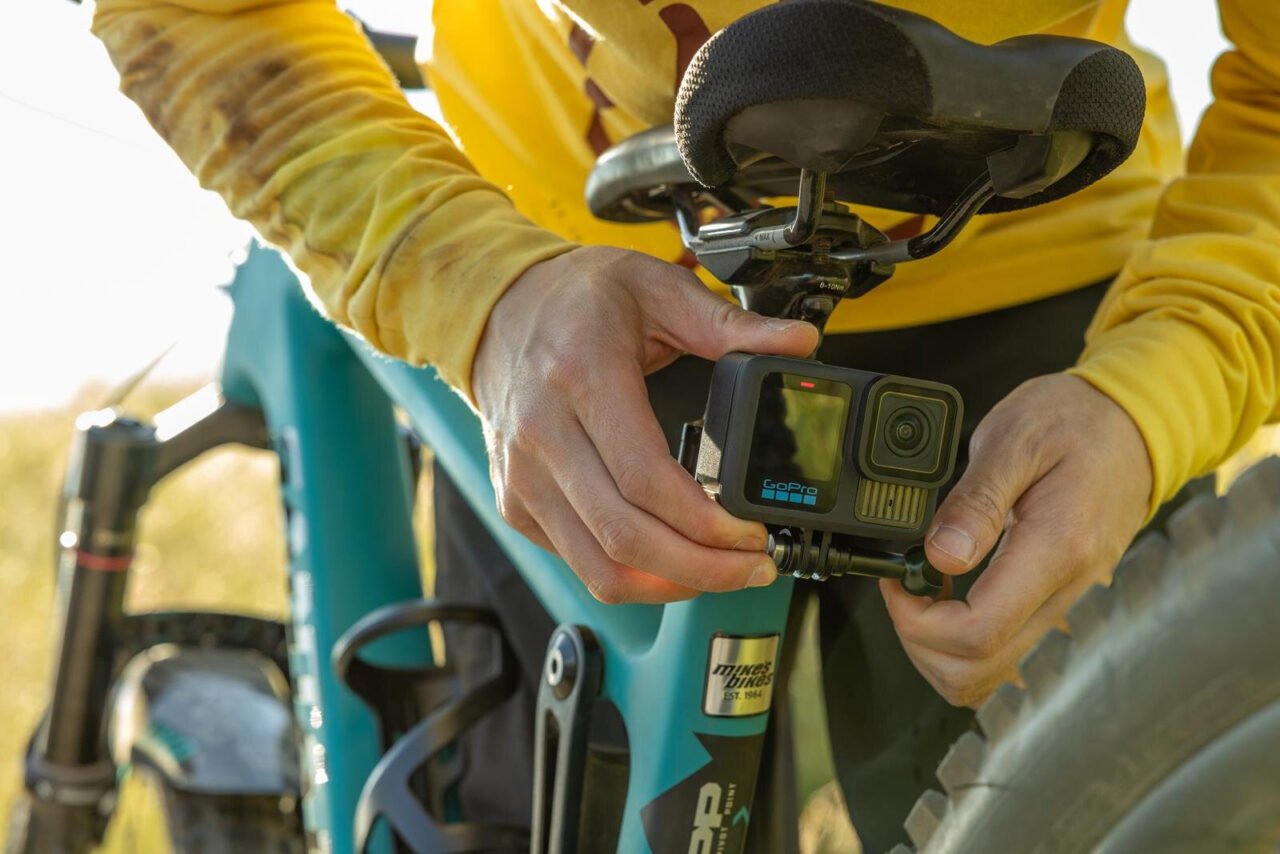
(890, 503)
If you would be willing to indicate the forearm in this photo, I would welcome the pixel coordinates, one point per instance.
(1188, 339)
(285, 111)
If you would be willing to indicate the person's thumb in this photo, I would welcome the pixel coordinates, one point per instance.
(701, 323)
(971, 519)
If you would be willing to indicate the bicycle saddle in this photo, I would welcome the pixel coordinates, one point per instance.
(898, 111)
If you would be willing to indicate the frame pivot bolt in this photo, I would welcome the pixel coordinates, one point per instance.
(562, 665)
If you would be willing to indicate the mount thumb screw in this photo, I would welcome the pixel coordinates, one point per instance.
(921, 577)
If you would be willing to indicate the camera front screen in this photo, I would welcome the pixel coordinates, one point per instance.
(798, 443)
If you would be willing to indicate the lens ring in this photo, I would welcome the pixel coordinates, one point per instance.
(907, 431)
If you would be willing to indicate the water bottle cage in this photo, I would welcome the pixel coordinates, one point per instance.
(421, 713)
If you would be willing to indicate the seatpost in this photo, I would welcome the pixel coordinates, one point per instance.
(813, 189)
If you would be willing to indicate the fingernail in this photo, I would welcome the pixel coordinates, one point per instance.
(954, 542)
(752, 543)
(780, 325)
(764, 575)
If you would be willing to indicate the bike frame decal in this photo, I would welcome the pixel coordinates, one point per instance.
(740, 675)
(708, 811)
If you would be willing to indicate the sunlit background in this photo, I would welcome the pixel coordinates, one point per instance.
(111, 252)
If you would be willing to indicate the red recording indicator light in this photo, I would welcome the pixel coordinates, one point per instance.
(808, 384)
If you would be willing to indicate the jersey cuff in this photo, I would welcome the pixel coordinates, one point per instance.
(1167, 377)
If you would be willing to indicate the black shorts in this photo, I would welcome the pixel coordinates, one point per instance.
(888, 728)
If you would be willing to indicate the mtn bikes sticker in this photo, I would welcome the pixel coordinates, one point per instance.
(708, 811)
(740, 672)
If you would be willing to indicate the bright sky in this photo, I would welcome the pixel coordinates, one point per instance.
(112, 252)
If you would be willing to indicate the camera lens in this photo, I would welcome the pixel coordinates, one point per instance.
(912, 432)
(908, 431)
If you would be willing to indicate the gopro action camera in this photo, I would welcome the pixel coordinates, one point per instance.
(808, 447)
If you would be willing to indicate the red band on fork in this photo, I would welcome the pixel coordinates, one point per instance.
(102, 563)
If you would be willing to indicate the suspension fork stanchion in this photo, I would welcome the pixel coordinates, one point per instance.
(114, 462)
(69, 772)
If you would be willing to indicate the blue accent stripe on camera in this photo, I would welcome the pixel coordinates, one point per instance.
(766, 493)
(811, 499)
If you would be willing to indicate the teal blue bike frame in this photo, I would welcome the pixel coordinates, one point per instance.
(329, 402)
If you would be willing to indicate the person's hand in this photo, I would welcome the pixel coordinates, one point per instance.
(576, 455)
(1064, 473)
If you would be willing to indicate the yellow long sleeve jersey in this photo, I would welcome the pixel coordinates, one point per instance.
(282, 108)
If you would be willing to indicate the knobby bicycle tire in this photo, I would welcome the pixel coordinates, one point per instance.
(1155, 724)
